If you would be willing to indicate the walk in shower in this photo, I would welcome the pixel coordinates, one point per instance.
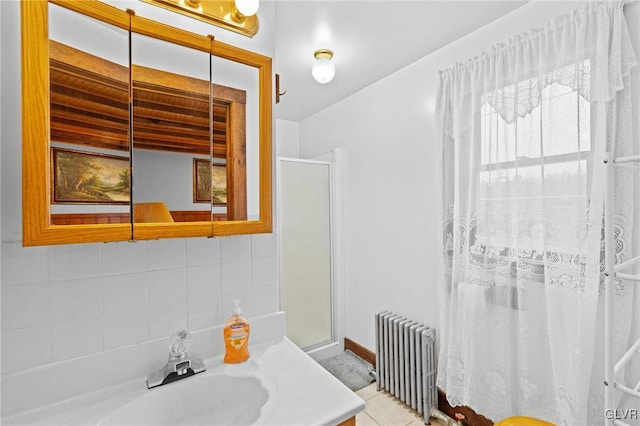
(308, 270)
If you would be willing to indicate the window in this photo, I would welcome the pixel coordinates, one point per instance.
(532, 186)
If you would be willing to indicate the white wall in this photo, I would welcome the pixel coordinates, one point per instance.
(392, 176)
(168, 177)
(287, 139)
(62, 303)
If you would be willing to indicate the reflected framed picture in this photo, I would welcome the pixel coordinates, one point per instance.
(209, 181)
(81, 177)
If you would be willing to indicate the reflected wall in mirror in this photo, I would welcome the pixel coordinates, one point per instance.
(174, 97)
(243, 181)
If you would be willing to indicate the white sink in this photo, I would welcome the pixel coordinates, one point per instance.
(203, 399)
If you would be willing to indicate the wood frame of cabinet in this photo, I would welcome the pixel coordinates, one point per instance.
(36, 168)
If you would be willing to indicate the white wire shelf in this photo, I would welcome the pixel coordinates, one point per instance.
(624, 270)
(627, 263)
(631, 166)
(627, 390)
(635, 348)
(628, 162)
(624, 265)
(632, 277)
(627, 159)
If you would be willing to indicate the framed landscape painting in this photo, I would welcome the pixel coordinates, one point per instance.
(209, 180)
(89, 178)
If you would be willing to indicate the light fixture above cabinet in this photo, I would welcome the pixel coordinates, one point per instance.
(238, 16)
(247, 7)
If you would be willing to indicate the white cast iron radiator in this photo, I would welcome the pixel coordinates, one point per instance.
(406, 362)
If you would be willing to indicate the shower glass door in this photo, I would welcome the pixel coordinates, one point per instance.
(306, 277)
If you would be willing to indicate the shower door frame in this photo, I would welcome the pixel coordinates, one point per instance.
(333, 345)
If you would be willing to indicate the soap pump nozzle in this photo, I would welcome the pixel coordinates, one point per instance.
(236, 306)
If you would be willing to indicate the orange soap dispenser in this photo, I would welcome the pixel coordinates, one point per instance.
(236, 336)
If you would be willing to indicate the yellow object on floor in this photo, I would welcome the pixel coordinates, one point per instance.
(522, 421)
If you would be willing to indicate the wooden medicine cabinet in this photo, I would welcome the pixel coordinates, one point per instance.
(135, 130)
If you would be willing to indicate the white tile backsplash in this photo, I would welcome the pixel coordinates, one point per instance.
(163, 254)
(200, 320)
(25, 306)
(70, 301)
(265, 300)
(235, 275)
(24, 265)
(203, 286)
(203, 251)
(166, 318)
(14, 250)
(227, 303)
(204, 291)
(168, 285)
(264, 272)
(122, 257)
(124, 330)
(75, 339)
(75, 261)
(124, 294)
(264, 245)
(236, 248)
(25, 348)
(76, 300)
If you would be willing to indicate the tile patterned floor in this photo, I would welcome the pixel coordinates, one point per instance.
(382, 409)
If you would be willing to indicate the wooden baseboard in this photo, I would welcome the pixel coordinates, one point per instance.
(471, 417)
(360, 350)
(102, 218)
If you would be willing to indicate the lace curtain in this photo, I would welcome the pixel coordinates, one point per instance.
(524, 129)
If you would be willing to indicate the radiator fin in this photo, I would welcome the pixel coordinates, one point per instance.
(406, 361)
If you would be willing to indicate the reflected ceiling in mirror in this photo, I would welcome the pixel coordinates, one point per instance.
(89, 106)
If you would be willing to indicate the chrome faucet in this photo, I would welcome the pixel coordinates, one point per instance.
(179, 366)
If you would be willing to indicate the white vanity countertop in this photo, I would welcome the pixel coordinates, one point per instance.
(304, 393)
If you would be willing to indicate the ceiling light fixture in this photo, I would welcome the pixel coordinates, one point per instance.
(323, 69)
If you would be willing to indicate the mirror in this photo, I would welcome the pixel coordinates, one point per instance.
(172, 130)
(198, 124)
(88, 101)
